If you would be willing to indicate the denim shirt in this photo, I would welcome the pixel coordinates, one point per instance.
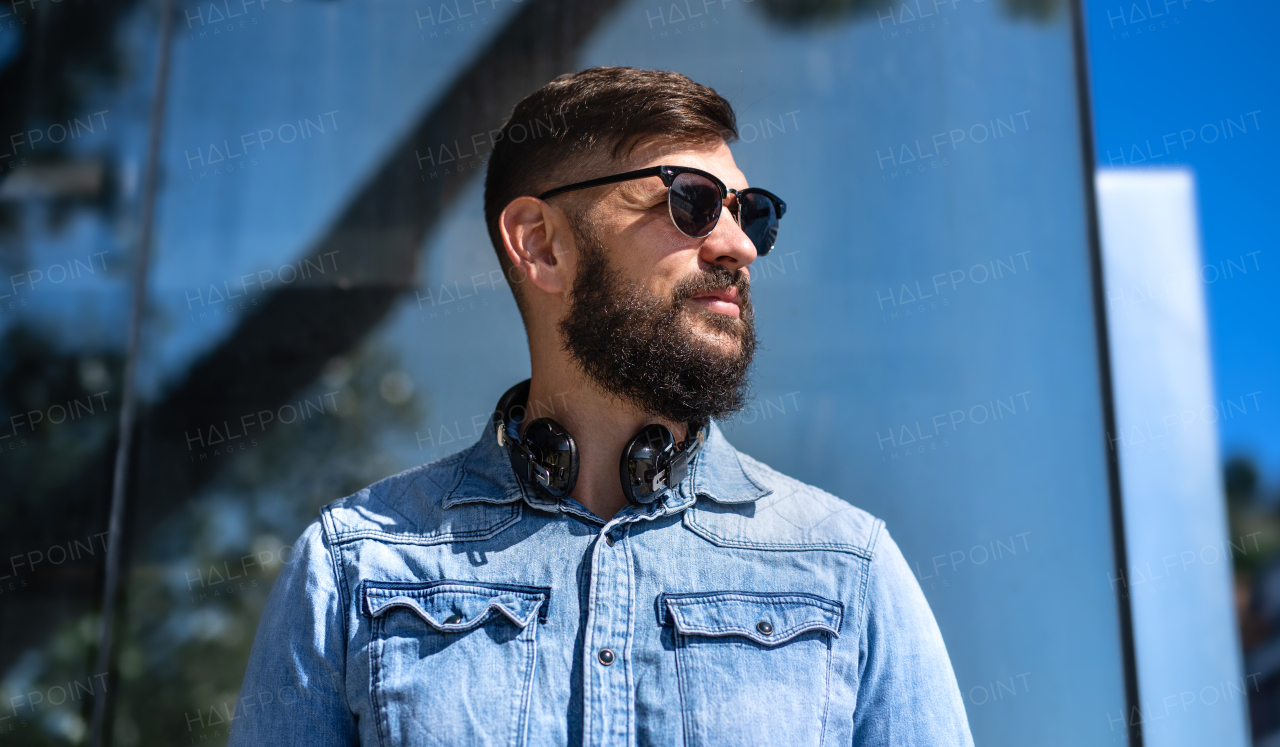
(451, 605)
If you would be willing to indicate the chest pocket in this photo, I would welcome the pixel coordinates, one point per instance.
(451, 662)
(754, 668)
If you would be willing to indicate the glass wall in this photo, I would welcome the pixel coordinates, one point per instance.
(323, 309)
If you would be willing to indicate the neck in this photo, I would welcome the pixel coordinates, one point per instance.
(601, 425)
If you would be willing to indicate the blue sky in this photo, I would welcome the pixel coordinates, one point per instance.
(1183, 65)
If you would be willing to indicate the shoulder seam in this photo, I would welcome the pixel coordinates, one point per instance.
(876, 527)
(344, 594)
(876, 530)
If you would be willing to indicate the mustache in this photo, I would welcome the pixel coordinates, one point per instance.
(717, 278)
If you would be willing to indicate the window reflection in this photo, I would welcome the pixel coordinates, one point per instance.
(323, 311)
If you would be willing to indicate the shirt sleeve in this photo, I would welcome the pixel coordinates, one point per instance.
(293, 690)
(907, 692)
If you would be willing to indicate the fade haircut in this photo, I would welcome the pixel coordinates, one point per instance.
(582, 125)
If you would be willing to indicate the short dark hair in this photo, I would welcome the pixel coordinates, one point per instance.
(576, 125)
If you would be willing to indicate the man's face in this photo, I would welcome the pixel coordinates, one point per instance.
(660, 319)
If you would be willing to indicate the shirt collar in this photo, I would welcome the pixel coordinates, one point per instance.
(716, 472)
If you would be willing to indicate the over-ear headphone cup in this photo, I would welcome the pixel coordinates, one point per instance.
(649, 452)
(556, 451)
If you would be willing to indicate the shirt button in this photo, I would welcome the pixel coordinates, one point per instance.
(765, 627)
(453, 619)
(608, 540)
(605, 656)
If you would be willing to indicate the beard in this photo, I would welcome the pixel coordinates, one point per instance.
(644, 349)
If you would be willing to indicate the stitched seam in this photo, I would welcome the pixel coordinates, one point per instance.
(372, 590)
(875, 538)
(631, 635)
(712, 597)
(783, 636)
(422, 539)
(866, 580)
(528, 592)
(477, 595)
(337, 563)
(430, 539)
(330, 524)
(490, 613)
(719, 541)
(345, 600)
(521, 717)
(682, 682)
(422, 587)
(510, 497)
(375, 669)
(826, 700)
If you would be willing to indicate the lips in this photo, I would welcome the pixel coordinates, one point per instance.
(721, 301)
(728, 295)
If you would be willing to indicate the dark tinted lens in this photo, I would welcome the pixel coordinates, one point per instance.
(695, 204)
(758, 218)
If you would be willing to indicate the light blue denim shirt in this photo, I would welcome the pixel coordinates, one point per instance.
(451, 605)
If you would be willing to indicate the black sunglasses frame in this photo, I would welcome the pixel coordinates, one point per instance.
(668, 175)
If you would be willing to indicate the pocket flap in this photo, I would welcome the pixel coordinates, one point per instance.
(456, 606)
(766, 618)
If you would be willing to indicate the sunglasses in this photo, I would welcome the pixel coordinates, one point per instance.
(694, 200)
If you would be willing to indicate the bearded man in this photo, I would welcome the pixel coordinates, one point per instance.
(603, 567)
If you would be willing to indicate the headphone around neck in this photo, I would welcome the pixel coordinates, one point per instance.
(546, 456)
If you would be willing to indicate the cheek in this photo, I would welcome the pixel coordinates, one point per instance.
(665, 277)
(655, 256)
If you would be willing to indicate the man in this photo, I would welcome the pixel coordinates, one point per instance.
(603, 567)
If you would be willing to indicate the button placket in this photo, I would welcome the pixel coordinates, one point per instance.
(607, 698)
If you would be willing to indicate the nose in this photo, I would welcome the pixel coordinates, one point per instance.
(727, 244)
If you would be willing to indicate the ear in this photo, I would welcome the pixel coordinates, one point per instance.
(537, 240)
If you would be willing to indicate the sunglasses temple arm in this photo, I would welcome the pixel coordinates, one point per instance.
(639, 174)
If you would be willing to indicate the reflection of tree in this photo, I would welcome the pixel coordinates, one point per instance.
(1255, 530)
(1250, 515)
(1254, 525)
(797, 13)
(189, 624)
(36, 376)
(194, 651)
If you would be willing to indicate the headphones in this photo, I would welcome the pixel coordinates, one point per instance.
(546, 456)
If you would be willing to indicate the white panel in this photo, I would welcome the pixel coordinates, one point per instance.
(1192, 687)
